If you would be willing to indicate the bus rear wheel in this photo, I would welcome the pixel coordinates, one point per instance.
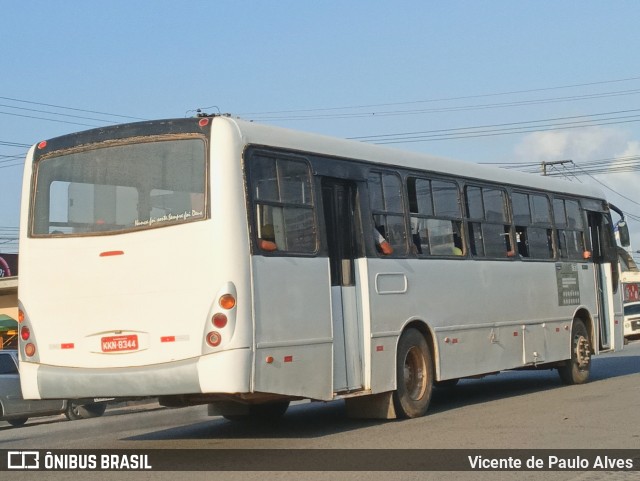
(576, 370)
(414, 375)
(84, 411)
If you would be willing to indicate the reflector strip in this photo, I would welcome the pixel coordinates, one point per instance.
(288, 358)
(379, 348)
(174, 338)
(111, 253)
(64, 345)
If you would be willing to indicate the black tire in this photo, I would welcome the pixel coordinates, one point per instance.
(414, 375)
(267, 412)
(577, 369)
(84, 411)
(17, 422)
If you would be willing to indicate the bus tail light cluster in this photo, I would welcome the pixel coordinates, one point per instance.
(25, 335)
(221, 317)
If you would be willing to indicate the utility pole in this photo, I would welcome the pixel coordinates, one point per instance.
(557, 162)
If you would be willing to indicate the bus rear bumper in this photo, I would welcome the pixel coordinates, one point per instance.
(221, 372)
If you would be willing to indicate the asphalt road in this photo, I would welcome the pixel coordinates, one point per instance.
(513, 410)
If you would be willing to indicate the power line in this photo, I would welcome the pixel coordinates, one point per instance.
(606, 186)
(446, 99)
(71, 108)
(59, 114)
(526, 124)
(391, 113)
(11, 165)
(13, 144)
(49, 120)
(475, 132)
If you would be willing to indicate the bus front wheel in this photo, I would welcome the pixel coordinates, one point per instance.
(576, 370)
(414, 375)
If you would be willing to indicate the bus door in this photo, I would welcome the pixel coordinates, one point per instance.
(604, 256)
(340, 207)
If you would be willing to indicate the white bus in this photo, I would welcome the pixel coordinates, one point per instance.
(216, 261)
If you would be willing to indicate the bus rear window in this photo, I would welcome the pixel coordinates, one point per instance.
(123, 187)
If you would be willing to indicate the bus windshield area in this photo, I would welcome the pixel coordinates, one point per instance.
(120, 187)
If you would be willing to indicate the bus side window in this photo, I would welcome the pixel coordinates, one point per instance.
(284, 210)
(436, 221)
(569, 228)
(488, 222)
(385, 193)
(532, 219)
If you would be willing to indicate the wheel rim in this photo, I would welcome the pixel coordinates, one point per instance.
(415, 372)
(583, 352)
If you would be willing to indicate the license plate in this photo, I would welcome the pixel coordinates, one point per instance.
(119, 343)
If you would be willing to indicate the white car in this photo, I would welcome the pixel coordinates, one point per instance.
(16, 411)
(632, 321)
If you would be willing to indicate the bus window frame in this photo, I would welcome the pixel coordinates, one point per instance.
(252, 202)
(509, 254)
(586, 241)
(434, 215)
(371, 212)
(551, 226)
(89, 146)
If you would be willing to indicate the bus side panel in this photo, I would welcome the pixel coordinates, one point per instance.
(470, 350)
(483, 319)
(293, 326)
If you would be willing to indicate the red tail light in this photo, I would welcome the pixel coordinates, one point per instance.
(25, 333)
(219, 320)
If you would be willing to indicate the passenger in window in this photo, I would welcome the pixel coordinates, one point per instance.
(267, 240)
(457, 242)
(381, 243)
(415, 235)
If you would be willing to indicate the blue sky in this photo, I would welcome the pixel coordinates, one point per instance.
(343, 68)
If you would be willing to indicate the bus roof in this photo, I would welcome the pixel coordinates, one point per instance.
(261, 134)
(268, 135)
